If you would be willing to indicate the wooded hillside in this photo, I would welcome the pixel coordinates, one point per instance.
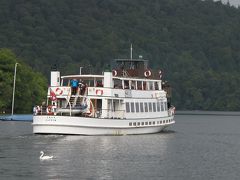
(195, 43)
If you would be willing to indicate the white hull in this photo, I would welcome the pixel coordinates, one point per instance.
(95, 126)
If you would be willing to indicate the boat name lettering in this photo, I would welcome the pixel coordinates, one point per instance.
(50, 119)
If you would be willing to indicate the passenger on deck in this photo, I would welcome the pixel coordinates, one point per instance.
(82, 87)
(35, 110)
(74, 85)
(99, 84)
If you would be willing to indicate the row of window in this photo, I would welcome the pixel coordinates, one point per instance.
(146, 106)
(150, 123)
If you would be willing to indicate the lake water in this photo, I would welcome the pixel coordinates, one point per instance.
(196, 147)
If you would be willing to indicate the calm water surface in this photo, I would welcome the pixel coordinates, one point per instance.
(196, 147)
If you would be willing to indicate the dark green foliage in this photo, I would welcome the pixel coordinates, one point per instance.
(196, 43)
(30, 86)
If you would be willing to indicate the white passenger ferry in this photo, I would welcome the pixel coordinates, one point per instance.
(130, 99)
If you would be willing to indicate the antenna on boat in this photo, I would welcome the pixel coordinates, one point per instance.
(131, 49)
(80, 72)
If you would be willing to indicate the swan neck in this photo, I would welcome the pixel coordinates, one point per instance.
(42, 153)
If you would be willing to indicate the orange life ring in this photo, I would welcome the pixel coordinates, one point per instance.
(147, 73)
(49, 110)
(61, 91)
(99, 92)
(114, 72)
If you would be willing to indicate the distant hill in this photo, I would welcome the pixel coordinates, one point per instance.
(195, 43)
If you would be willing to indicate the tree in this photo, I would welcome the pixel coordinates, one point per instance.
(30, 86)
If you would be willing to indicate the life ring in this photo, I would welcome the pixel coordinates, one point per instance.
(59, 91)
(49, 110)
(114, 72)
(99, 92)
(147, 73)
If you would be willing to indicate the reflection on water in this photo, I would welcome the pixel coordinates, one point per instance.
(101, 157)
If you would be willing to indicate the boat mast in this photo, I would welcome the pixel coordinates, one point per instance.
(131, 49)
(14, 82)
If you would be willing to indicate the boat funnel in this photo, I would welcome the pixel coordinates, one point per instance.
(55, 78)
(108, 81)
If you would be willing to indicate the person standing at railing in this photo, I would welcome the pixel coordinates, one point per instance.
(74, 85)
(82, 87)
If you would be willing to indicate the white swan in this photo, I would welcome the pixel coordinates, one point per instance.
(44, 157)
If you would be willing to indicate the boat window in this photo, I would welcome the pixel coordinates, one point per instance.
(165, 103)
(146, 123)
(139, 85)
(126, 84)
(134, 124)
(158, 106)
(114, 106)
(146, 107)
(127, 107)
(154, 107)
(144, 85)
(130, 124)
(138, 124)
(162, 106)
(150, 123)
(153, 122)
(150, 85)
(156, 86)
(117, 84)
(137, 107)
(133, 84)
(142, 124)
(91, 83)
(141, 107)
(150, 106)
(132, 107)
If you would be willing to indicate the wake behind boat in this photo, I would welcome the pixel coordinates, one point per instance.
(130, 99)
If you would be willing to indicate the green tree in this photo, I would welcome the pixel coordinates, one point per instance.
(30, 86)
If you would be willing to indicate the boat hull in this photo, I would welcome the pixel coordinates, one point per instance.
(44, 124)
